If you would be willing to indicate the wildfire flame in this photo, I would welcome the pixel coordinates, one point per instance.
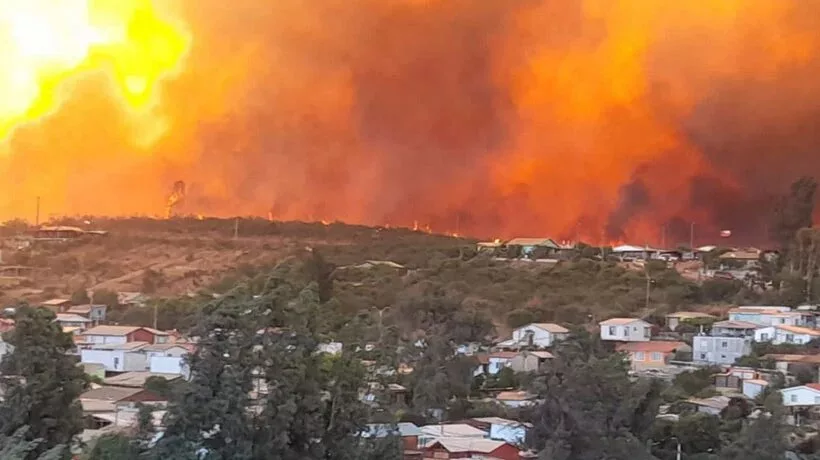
(177, 194)
(587, 120)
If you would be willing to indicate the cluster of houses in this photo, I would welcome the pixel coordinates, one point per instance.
(483, 437)
(122, 358)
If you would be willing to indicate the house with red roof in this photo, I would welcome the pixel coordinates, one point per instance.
(652, 354)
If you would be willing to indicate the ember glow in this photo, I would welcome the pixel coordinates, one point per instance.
(573, 119)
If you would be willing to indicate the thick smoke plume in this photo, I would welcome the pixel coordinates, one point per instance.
(595, 120)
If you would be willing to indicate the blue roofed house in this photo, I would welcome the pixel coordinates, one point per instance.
(408, 432)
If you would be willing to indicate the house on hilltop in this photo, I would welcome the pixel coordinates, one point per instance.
(779, 335)
(652, 354)
(625, 330)
(535, 335)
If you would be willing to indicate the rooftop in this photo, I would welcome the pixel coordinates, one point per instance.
(515, 396)
(735, 325)
(56, 302)
(71, 318)
(500, 421)
(380, 430)
(618, 321)
(545, 242)
(137, 379)
(460, 445)
(549, 327)
(109, 394)
(83, 309)
(799, 330)
(112, 330)
(452, 430)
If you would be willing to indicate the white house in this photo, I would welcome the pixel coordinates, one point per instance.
(541, 335)
(117, 357)
(430, 433)
(168, 365)
(71, 320)
(502, 429)
(626, 330)
(804, 395)
(769, 316)
(786, 334)
(499, 360)
(164, 350)
(753, 387)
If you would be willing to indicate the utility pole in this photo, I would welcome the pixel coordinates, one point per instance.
(37, 214)
(692, 236)
(155, 315)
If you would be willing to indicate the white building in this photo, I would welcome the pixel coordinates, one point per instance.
(804, 395)
(626, 330)
(73, 321)
(430, 433)
(786, 334)
(753, 387)
(117, 357)
(540, 335)
(770, 316)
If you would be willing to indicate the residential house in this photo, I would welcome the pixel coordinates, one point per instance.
(430, 433)
(753, 387)
(70, 320)
(516, 399)
(803, 395)
(766, 315)
(675, 319)
(778, 335)
(626, 330)
(499, 360)
(535, 335)
(533, 247)
(59, 305)
(123, 334)
(788, 363)
(629, 252)
(136, 379)
(117, 401)
(132, 299)
(117, 357)
(740, 259)
(408, 432)
(471, 448)
(95, 313)
(728, 341)
(166, 350)
(501, 429)
(652, 354)
(711, 406)
(530, 361)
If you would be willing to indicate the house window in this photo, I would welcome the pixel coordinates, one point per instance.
(639, 356)
(723, 357)
(782, 321)
(613, 330)
(116, 363)
(703, 356)
(646, 332)
(656, 356)
(793, 398)
(724, 344)
(764, 337)
(790, 338)
(626, 331)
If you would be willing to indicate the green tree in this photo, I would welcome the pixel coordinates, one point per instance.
(43, 381)
(80, 297)
(594, 420)
(19, 446)
(763, 438)
(114, 447)
(106, 297)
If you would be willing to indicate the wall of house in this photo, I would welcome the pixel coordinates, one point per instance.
(779, 336)
(540, 337)
(113, 360)
(634, 332)
(141, 335)
(525, 363)
(166, 365)
(135, 361)
(496, 364)
(751, 390)
(719, 350)
(647, 360)
(105, 339)
(800, 396)
(175, 352)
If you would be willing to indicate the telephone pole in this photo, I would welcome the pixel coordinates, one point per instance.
(692, 236)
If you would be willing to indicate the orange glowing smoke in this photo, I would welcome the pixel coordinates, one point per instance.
(577, 119)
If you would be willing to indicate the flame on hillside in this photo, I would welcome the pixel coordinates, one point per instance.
(576, 119)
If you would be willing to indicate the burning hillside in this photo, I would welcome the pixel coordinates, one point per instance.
(584, 119)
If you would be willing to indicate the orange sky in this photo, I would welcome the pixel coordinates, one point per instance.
(574, 119)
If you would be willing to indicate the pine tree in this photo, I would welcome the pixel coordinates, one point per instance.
(763, 438)
(42, 382)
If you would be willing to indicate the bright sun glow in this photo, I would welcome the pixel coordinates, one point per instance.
(44, 43)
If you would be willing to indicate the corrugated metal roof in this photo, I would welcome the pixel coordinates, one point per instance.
(619, 321)
(452, 430)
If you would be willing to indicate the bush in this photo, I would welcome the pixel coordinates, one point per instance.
(520, 317)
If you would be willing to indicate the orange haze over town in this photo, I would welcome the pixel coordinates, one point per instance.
(586, 119)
